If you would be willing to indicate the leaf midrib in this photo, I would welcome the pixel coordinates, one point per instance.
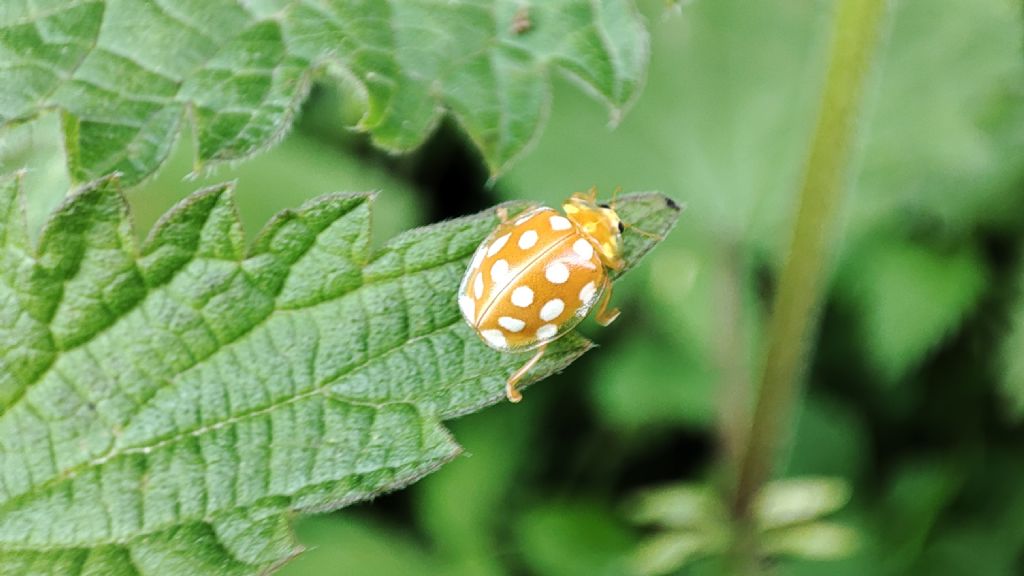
(364, 284)
(321, 388)
(152, 289)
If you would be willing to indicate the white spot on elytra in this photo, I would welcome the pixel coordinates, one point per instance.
(556, 273)
(560, 223)
(528, 239)
(583, 248)
(478, 285)
(499, 271)
(552, 309)
(468, 307)
(494, 337)
(547, 331)
(497, 245)
(511, 324)
(522, 296)
(587, 292)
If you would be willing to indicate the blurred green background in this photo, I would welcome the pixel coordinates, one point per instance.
(915, 397)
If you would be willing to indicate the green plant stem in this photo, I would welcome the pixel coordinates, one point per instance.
(732, 356)
(857, 27)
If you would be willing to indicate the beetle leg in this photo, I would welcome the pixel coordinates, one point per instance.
(510, 386)
(502, 213)
(604, 315)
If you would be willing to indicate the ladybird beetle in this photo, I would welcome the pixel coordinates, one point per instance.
(537, 276)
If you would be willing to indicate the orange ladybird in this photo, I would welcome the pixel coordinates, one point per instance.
(536, 277)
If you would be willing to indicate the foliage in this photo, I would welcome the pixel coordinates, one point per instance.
(693, 523)
(919, 329)
(909, 297)
(1013, 355)
(162, 408)
(913, 397)
(127, 74)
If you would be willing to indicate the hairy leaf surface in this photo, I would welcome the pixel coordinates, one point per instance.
(163, 407)
(127, 73)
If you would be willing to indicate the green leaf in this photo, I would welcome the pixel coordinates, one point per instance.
(817, 540)
(831, 438)
(708, 315)
(574, 539)
(127, 73)
(974, 549)
(645, 388)
(668, 552)
(692, 521)
(909, 298)
(457, 535)
(166, 406)
(725, 117)
(944, 140)
(463, 530)
(797, 500)
(690, 506)
(1012, 375)
(733, 87)
(911, 509)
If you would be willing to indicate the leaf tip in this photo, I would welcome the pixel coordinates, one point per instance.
(103, 189)
(296, 551)
(615, 114)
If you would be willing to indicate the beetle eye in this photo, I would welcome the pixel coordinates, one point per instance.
(622, 227)
(603, 206)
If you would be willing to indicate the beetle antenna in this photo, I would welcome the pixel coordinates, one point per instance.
(615, 194)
